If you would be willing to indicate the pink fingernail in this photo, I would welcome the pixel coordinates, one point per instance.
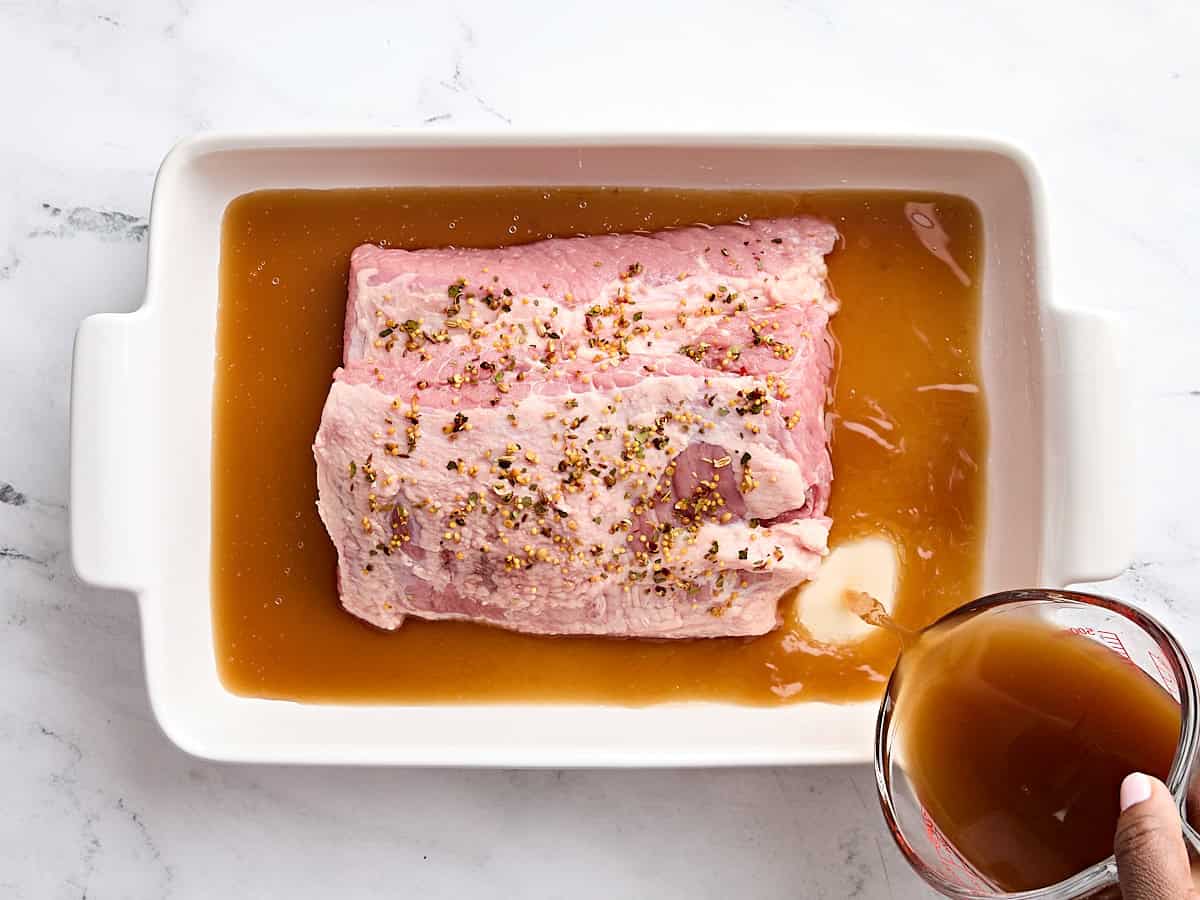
(1135, 789)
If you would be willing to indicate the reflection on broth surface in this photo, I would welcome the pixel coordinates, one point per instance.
(908, 422)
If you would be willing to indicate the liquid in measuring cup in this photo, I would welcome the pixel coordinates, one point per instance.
(1016, 737)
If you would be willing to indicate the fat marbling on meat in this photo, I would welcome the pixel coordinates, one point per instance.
(619, 435)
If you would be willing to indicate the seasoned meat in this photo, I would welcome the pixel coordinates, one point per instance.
(620, 435)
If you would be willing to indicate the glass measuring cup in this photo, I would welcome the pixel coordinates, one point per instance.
(1132, 635)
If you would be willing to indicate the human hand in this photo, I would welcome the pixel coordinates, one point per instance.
(1152, 859)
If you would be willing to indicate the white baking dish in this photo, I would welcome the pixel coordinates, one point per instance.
(141, 420)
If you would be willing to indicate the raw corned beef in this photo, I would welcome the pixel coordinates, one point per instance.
(619, 435)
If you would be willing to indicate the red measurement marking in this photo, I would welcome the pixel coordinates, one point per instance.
(1109, 639)
(950, 863)
(1165, 676)
(1113, 642)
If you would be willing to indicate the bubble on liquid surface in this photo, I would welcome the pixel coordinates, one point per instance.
(512, 229)
(275, 280)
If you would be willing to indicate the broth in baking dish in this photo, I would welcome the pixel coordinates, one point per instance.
(909, 432)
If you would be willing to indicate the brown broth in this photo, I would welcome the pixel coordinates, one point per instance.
(907, 320)
(1017, 736)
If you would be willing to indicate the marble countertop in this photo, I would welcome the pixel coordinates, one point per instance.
(97, 803)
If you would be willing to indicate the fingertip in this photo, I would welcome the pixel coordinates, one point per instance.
(1152, 858)
(1135, 789)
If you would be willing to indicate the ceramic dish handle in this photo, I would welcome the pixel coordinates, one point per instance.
(1092, 477)
(110, 383)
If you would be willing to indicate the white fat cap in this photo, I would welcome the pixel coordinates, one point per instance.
(870, 565)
